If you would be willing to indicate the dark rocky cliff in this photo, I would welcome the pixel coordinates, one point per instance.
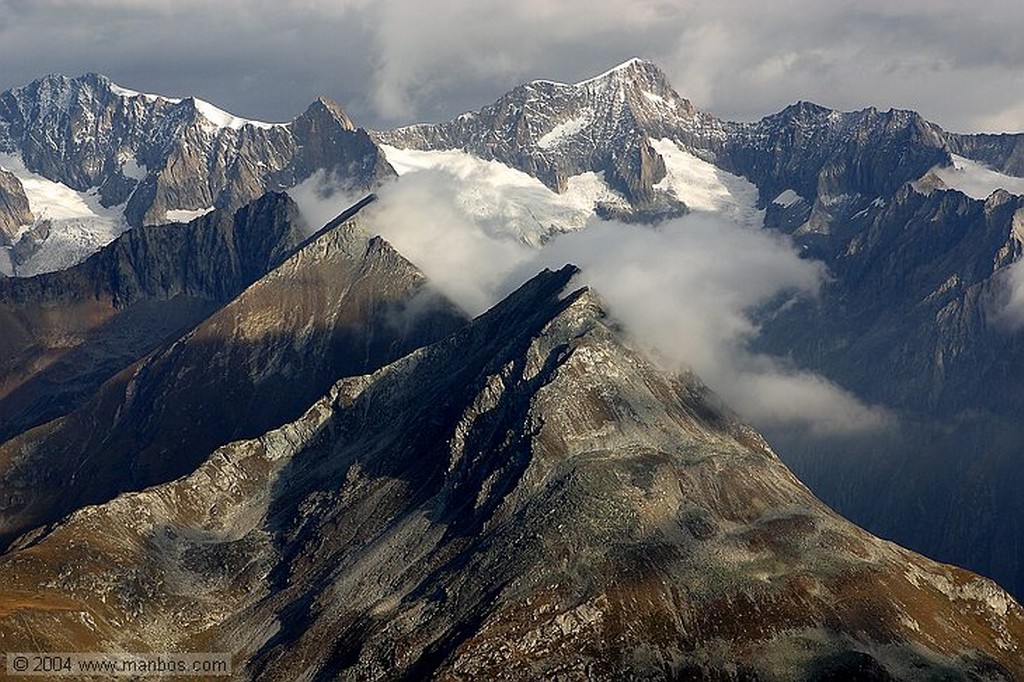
(66, 332)
(342, 304)
(14, 208)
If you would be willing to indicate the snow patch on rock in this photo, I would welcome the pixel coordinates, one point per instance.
(222, 119)
(184, 215)
(69, 226)
(705, 188)
(215, 115)
(131, 168)
(149, 97)
(508, 202)
(787, 198)
(562, 131)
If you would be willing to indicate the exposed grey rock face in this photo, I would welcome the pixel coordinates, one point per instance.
(66, 332)
(529, 498)
(155, 155)
(342, 304)
(916, 281)
(328, 141)
(906, 320)
(554, 130)
(1003, 152)
(14, 208)
(840, 162)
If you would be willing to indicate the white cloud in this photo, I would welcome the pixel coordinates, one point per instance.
(1008, 305)
(420, 216)
(775, 395)
(320, 199)
(686, 289)
(1007, 119)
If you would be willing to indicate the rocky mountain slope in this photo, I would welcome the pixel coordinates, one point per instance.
(290, 448)
(909, 317)
(66, 332)
(912, 319)
(529, 498)
(126, 159)
(342, 303)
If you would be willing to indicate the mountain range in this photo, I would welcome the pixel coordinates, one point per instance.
(253, 434)
(101, 159)
(918, 241)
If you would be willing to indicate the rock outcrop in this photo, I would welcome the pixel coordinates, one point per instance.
(529, 498)
(65, 333)
(343, 303)
(14, 208)
(153, 157)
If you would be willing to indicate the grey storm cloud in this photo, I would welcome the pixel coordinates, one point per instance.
(397, 61)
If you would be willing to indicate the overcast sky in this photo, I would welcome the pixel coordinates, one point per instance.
(961, 64)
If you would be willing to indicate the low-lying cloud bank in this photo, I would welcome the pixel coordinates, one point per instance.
(1007, 305)
(685, 289)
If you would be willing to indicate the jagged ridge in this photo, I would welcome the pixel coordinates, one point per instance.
(528, 498)
(152, 154)
(67, 332)
(342, 304)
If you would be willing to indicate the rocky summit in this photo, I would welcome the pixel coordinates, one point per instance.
(226, 430)
(136, 159)
(528, 498)
(554, 131)
(919, 230)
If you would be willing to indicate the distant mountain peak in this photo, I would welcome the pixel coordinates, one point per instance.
(634, 75)
(554, 131)
(625, 70)
(57, 91)
(632, 63)
(630, 71)
(806, 108)
(212, 113)
(152, 159)
(323, 108)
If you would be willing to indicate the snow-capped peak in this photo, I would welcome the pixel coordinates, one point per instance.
(129, 94)
(215, 115)
(632, 63)
(223, 119)
(611, 74)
